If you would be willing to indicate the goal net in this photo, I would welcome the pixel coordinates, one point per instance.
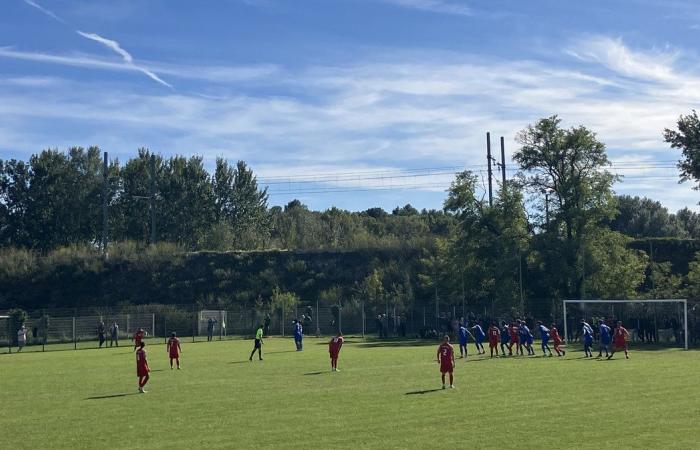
(659, 322)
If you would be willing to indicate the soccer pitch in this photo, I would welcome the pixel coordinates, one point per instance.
(387, 395)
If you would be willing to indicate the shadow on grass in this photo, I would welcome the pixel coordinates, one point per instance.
(241, 362)
(280, 351)
(314, 373)
(426, 391)
(101, 397)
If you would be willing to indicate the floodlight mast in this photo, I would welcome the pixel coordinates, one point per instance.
(669, 300)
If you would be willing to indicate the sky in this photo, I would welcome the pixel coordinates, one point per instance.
(351, 103)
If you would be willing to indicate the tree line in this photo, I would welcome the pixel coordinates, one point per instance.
(557, 230)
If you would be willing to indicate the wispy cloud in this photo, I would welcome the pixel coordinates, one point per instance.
(435, 6)
(126, 56)
(415, 113)
(219, 74)
(128, 60)
(45, 11)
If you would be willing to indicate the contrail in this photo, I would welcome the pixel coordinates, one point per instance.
(109, 43)
(45, 11)
(126, 56)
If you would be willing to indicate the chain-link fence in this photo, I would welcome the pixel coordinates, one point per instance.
(49, 330)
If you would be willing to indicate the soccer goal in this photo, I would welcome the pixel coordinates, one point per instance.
(657, 321)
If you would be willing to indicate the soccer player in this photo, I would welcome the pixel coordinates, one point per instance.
(604, 338)
(514, 339)
(494, 336)
(505, 338)
(334, 347)
(587, 332)
(479, 336)
(298, 335)
(258, 344)
(620, 338)
(463, 339)
(526, 338)
(138, 337)
(142, 370)
(446, 359)
(544, 334)
(174, 350)
(556, 339)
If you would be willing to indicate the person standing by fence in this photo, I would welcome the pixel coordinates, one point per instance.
(114, 334)
(21, 338)
(174, 350)
(298, 335)
(210, 329)
(334, 347)
(138, 337)
(101, 333)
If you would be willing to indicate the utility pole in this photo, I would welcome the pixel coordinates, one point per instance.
(105, 192)
(488, 156)
(503, 162)
(153, 198)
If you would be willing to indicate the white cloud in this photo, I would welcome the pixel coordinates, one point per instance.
(44, 10)
(435, 6)
(418, 113)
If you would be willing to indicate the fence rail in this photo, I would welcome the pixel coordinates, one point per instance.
(49, 330)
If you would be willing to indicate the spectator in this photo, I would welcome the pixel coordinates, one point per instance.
(378, 324)
(114, 334)
(101, 333)
(390, 324)
(210, 329)
(21, 338)
(266, 325)
(306, 320)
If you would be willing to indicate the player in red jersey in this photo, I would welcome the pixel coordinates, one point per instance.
(514, 340)
(138, 337)
(620, 338)
(174, 350)
(142, 369)
(334, 347)
(556, 339)
(494, 335)
(446, 359)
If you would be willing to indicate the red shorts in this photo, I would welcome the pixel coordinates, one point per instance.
(493, 343)
(174, 355)
(620, 343)
(142, 371)
(557, 343)
(334, 355)
(446, 367)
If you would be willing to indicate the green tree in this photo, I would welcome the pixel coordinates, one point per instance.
(568, 167)
(687, 138)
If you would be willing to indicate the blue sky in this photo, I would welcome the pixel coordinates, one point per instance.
(352, 103)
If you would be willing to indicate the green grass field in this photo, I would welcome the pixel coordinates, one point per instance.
(387, 395)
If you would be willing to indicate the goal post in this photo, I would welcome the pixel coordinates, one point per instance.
(681, 301)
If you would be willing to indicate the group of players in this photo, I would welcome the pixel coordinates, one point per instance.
(517, 335)
(174, 350)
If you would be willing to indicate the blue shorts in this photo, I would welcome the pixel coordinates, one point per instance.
(463, 343)
(545, 341)
(588, 341)
(480, 339)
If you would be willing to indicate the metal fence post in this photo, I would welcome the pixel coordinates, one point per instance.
(363, 319)
(127, 324)
(283, 321)
(165, 328)
(318, 328)
(221, 324)
(75, 342)
(153, 324)
(9, 336)
(194, 321)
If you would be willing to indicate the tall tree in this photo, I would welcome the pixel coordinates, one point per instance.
(643, 217)
(568, 166)
(687, 138)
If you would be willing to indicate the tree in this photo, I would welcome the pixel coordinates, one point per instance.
(613, 271)
(241, 203)
(687, 138)
(643, 217)
(567, 166)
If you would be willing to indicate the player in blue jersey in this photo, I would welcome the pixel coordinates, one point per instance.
(505, 339)
(544, 335)
(604, 339)
(464, 335)
(526, 338)
(587, 332)
(298, 335)
(479, 337)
